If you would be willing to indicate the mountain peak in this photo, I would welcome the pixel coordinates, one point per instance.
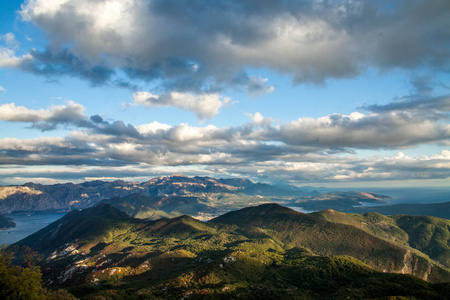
(78, 224)
(178, 175)
(258, 213)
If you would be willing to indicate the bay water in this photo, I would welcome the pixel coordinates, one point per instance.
(26, 224)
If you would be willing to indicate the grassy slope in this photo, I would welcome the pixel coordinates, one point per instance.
(97, 223)
(263, 252)
(328, 238)
(429, 235)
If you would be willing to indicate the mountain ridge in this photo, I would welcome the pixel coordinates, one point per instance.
(269, 249)
(222, 194)
(292, 229)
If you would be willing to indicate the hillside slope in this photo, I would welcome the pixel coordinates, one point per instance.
(267, 251)
(429, 235)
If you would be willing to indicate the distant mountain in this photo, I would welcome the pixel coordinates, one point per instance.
(338, 200)
(157, 207)
(221, 194)
(267, 250)
(69, 196)
(440, 210)
(6, 223)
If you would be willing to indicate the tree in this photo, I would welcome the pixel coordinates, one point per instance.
(23, 282)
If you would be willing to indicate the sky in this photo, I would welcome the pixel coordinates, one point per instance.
(340, 93)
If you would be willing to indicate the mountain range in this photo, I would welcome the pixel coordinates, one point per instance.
(214, 196)
(266, 251)
(69, 196)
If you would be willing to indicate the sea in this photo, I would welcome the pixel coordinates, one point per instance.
(26, 224)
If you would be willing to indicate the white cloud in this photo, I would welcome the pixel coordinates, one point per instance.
(10, 40)
(2, 89)
(8, 58)
(258, 119)
(152, 128)
(44, 119)
(65, 113)
(305, 150)
(383, 130)
(203, 105)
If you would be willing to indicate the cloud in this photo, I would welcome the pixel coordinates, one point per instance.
(323, 149)
(414, 103)
(69, 116)
(62, 161)
(205, 106)
(54, 64)
(372, 131)
(8, 59)
(43, 119)
(258, 119)
(152, 128)
(2, 89)
(255, 86)
(205, 46)
(404, 123)
(10, 40)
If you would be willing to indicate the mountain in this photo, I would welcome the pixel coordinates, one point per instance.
(85, 224)
(338, 200)
(430, 235)
(267, 251)
(213, 195)
(69, 196)
(6, 223)
(440, 210)
(328, 238)
(156, 207)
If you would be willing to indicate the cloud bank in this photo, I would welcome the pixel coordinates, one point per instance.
(303, 150)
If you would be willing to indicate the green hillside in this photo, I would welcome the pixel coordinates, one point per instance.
(263, 252)
(429, 235)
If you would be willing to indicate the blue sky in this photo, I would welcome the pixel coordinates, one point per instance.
(329, 93)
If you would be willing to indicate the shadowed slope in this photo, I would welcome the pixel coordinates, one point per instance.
(90, 223)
